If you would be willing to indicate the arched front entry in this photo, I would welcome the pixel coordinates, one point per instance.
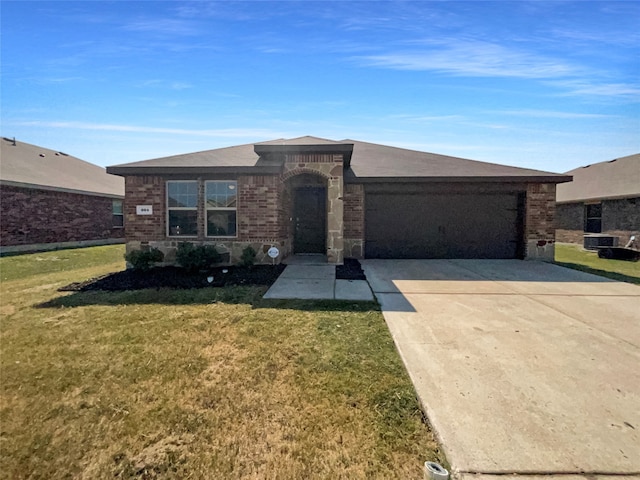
(308, 194)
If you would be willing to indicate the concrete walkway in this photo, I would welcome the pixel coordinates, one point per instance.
(317, 282)
(522, 367)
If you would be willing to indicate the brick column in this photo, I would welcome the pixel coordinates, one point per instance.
(540, 221)
(354, 220)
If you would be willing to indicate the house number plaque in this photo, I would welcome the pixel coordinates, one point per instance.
(144, 209)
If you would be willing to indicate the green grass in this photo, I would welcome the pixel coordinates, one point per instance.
(209, 383)
(27, 265)
(574, 256)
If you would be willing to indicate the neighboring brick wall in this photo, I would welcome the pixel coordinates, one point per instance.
(540, 221)
(34, 216)
(145, 190)
(620, 217)
(570, 222)
(354, 220)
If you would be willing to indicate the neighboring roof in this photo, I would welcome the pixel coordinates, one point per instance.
(617, 178)
(23, 164)
(370, 162)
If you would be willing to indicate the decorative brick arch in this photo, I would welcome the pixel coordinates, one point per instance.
(301, 171)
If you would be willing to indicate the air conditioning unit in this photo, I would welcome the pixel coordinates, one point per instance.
(595, 240)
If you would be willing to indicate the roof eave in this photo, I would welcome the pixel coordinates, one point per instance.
(463, 179)
(194, 170)
(598, 199)
(53, 188)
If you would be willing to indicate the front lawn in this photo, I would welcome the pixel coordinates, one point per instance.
(574, 256)
(206, 383)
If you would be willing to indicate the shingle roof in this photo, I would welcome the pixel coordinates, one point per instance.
(618, 178)
(30, 165)
(369, 162)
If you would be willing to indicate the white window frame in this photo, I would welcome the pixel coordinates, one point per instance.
(114, 214)
(170, 209)
(587, 218)
(208, 209)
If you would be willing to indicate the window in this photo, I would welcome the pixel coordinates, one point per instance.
(593, 218)
(117, 214)
(182, 208)
(220, 205)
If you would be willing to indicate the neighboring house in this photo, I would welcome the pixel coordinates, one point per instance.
(602, 198)
(342, 199)
(49, 200)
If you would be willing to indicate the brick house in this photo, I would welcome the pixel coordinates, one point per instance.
(50, 200)
(341, 199)
(603, 198)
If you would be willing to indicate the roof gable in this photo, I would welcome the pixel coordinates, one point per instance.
(30, 165)
(617, 178)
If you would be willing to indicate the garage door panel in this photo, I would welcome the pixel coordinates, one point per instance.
(441, 226)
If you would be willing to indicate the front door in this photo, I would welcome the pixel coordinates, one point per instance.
(310, 220)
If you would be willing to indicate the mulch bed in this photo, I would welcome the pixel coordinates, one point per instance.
(351, 270)
(175, 277)
(179, 278)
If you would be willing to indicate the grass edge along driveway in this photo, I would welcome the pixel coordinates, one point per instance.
(577, 258)
(208, 383)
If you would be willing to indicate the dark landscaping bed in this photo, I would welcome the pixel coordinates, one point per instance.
(175, 277)
(351, 270)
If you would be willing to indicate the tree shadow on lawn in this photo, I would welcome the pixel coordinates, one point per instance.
(238, 295)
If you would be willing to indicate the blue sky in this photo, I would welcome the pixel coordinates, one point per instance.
(548, 85)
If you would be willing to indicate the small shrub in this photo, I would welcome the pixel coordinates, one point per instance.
(248, 256)
(143, 259)
(195, 258)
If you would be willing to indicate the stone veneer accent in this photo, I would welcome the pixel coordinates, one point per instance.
(330, 167)
(33, 216)
(540, 222)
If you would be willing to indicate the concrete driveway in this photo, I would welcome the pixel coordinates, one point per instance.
(521, 367)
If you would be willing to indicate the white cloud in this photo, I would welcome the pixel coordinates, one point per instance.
(550, 114)
(582, 87)
(473, 58)
(223, 132)
(165, 26)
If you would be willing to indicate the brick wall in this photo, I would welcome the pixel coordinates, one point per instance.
(260, 217)
(34, 216)
(570, 222)
(354, 220)
(259, 212)
(540, 221)
(620, 217)
(145, 190)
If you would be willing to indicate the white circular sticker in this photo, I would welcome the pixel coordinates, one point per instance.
(273, 252)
